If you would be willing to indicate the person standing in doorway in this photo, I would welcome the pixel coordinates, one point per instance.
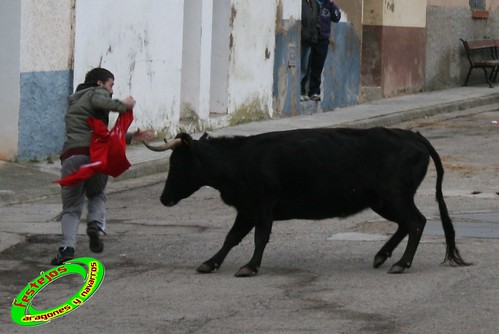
(309, 34)
(327, 12)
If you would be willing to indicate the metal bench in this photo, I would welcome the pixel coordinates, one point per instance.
(482, 54)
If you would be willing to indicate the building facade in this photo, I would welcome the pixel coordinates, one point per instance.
(196, 65)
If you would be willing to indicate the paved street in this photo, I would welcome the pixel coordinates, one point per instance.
(316, 277)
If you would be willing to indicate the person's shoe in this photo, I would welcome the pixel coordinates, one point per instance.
(96, 245)
(64, 254)
(303, 98)
(315, 97)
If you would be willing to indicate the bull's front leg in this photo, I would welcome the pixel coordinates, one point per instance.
(262, 236)
(242, 226)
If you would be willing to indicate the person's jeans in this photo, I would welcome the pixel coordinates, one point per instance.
(318, 54)
(73, 199)
(304, 65)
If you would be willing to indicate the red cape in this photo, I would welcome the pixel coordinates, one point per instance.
(107, 151)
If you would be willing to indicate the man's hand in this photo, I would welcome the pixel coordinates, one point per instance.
(129, 102)
(146, 135)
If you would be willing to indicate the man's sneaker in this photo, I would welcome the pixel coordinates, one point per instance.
(303, 98)
(64, 254)
(315, 97)
(93, 231)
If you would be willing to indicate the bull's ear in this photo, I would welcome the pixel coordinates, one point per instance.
(186, 139)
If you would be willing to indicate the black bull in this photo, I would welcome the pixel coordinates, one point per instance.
(310, 174)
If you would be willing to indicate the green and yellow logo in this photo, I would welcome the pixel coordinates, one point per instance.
(90, 269)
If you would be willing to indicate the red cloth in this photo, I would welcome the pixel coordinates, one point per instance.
(107, 151)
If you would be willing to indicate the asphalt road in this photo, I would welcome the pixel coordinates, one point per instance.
(316, 277)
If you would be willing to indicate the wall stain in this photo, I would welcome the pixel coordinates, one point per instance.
(253, 111)
(233, 14)
(390, 5)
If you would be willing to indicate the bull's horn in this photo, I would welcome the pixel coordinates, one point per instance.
(166, 146)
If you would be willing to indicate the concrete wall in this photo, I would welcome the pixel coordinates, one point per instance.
(220, 55)
(341, 74)
(10, 37)
(394, 44)
(251, 63)
(45, 79)
(447, 22)
(194, 65)
(286, 80)
(134, 42)
(182, 60)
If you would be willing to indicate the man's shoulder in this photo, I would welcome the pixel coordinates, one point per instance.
(101, 91)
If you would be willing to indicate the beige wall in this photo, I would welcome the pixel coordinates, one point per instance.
(395, 13)
(449, 3)
(490, 4)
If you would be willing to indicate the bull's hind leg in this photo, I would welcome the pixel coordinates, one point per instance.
(238, 231)
(415, 222)
(386, 251)
(411, 222)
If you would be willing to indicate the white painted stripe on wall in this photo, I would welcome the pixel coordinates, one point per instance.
(46, 36)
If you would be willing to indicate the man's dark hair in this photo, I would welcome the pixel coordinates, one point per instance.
(97, 74)
(93, 76)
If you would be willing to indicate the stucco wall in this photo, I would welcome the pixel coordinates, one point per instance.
(489, 4)
(220, 57)
(397, 13)
(394, 43)
(141, 43)
(45, 81)
(252, 44)
(10, 36)
(446, 64)
(286, 81)
(341, 74)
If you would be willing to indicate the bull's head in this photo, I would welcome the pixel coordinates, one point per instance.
(185, 174)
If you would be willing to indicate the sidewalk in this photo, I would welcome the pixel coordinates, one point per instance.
(24, 182)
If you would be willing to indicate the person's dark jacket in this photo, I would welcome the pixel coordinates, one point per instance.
(328, 12)
(309, 14)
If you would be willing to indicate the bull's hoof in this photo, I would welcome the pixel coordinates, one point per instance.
(207, 267)
(397, 269)
(379, 259)
(246, 271)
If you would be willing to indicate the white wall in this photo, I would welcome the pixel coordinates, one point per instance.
(10, 36)
(180, 58)
(141, 43)
(291, 9)
(46, 44)
(252, 53)
(220, 56)
(196, 58)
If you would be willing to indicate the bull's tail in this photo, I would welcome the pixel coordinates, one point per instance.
(452, 254)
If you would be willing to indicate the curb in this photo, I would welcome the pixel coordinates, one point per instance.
(409, 115)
